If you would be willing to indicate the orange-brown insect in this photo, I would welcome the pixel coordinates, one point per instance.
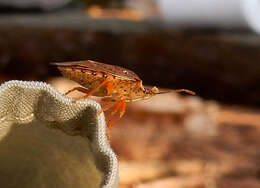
(115, 84)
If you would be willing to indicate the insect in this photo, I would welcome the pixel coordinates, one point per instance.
(116, 85)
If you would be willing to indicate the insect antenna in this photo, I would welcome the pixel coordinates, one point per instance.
(162, 92)
(178, 91)
(185, 91)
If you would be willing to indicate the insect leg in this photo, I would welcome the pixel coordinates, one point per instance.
(105, 107)
(113, 111)
(109, 87)
(92, 91)
(185, 90)
(81, 89)
(122, 109)
(108, 99)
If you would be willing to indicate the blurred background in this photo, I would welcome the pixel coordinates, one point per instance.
(212, 47)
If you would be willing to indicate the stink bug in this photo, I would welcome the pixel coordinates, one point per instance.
(116, 85)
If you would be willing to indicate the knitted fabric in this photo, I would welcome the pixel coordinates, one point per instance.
(48, 141)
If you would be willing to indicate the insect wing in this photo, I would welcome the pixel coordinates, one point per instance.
(101, 67)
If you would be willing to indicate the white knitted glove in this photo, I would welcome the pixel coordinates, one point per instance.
(49, 142)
